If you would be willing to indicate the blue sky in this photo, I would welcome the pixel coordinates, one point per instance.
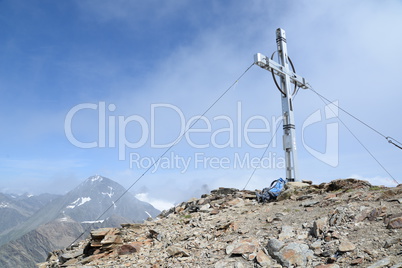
(177, 57)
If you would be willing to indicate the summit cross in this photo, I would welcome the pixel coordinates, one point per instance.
(287, 77)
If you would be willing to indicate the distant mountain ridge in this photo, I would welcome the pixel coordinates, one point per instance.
(15, 209)
(70, 214)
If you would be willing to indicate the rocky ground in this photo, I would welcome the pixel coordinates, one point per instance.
(343, 223)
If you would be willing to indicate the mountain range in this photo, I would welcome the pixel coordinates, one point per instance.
(31, 226)
(15, 209)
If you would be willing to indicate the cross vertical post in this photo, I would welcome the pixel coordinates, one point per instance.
(289, 133)
(287, 77)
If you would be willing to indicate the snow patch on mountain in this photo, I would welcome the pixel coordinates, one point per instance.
(4, 205)
(148, 214)
(65, 219)
(76, 204)
(84, 200)
(111, 193)
(99, 221)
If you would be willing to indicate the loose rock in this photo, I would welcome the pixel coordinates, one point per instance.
(380, 263)
(346, 246)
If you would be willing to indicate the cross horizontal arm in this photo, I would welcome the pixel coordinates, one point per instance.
(272, 66)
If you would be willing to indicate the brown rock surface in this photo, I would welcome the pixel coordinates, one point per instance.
(346, 246)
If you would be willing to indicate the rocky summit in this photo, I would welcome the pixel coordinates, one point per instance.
(343, 223)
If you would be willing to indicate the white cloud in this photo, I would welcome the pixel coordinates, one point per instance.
(377, 180)
(157, 203)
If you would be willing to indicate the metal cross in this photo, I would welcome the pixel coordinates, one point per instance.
(287, 77)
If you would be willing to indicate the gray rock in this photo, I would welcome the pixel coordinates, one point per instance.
(71, 255)
(156, 235)
(176, 251)
(222, 264)
(224, 191)
(380, 263)
(304, 197)
(229, 263)
(346, 246)
(294, 254)
(205, 208)
(395, 223)
(291, 254)
(230, 248)
(390, 242)
(286, 232)
(273, 246)
(316, 244)
(245, 246)
(310, 203)
(263, 259)
(319, 226)
(239, 265)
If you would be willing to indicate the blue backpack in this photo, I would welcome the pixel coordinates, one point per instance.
(272, 192)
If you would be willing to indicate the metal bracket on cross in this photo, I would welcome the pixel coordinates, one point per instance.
(287, 77)
(277, 69)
